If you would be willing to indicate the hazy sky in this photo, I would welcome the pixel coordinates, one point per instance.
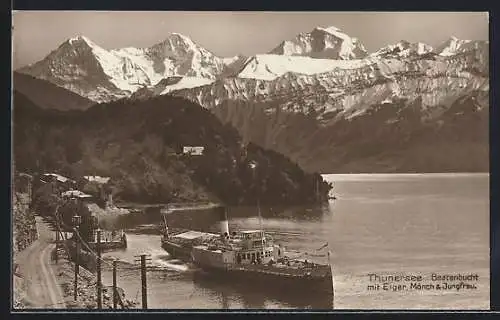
(36, 33)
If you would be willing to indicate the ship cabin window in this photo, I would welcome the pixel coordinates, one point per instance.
(257, 243)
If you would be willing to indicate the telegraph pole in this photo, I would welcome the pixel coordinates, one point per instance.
(144, 282)
(143, 260)
(115, 294)
(57, 242)
(99, 282)
(76, 224)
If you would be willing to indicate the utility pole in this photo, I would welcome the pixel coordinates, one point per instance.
(99, 283)
(144, 282)
(76, 224)
(57, 242)
(115, 294)
(143, 260)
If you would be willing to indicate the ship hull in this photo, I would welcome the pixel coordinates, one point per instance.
(321, 285)
(177, 251)
(253, 294)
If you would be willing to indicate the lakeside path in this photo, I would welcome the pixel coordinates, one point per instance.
(35, 279)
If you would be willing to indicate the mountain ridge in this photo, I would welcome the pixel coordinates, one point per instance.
(85, 68)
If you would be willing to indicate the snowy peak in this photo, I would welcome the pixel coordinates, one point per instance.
(180, 55)
(85, 68)
(80, 39)
(454, 46)
(175, 44)
(403, 49)
(332, 29)
(323, 43)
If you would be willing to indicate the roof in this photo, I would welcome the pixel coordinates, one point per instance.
(75, 194)
(58, 177)
(190, 235)
(22, 174)
(98, 179)
(193, 150)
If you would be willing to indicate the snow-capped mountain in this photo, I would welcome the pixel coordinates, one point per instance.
(305, 92)
(330, 43)
(89, 70)
(455, 46)
(85, 68)
(313, 114)
(348, 90)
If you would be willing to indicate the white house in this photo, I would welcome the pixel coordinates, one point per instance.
(193, 151)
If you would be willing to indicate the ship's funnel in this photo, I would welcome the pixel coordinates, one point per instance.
(224, 224)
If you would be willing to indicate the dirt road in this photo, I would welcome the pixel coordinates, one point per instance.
(36, 273)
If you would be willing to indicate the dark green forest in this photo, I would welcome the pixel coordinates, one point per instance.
(138, 144)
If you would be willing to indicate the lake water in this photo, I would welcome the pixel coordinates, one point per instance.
(383, 224)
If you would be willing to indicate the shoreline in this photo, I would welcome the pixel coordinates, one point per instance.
(174, 206)
(375, 176)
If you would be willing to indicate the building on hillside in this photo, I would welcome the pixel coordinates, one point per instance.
(79, 198)
(77, 204)
(193, 151)
(75, 194)
(97, 186)
(62, 183)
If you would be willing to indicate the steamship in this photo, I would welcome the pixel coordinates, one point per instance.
(249, 255)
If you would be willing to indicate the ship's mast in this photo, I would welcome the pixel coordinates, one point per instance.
(260, 222)
(163, 214)
(253, 166)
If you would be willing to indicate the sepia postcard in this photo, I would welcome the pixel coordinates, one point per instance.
(183, 160)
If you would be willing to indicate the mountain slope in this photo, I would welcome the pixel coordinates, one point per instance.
(389, 137)
(138, 143)
(47, 95)
(286, 112)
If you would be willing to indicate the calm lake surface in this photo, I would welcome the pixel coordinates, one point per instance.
(384, 224)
